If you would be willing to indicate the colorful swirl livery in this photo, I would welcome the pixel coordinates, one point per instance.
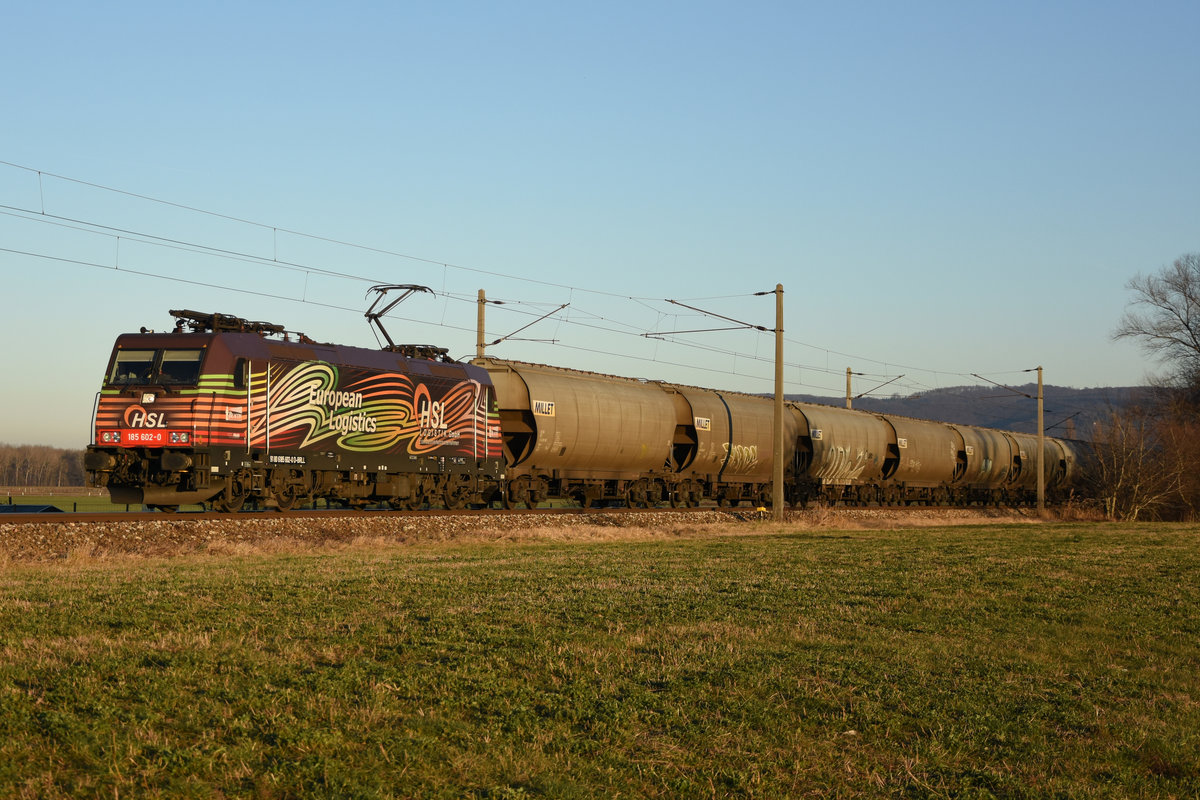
(227, 412)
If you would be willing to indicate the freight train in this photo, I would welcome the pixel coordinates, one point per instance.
(232, 413)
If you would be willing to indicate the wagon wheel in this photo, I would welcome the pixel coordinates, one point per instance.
(681, 495)
(636, 495)
(593, 496)
(514, 493)
(519, 492)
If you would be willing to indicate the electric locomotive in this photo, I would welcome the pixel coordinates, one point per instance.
(227, 411)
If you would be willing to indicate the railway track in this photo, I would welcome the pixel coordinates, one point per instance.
(740, 513)
(71, 517)
(48, 537)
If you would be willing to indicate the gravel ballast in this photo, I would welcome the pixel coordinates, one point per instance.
(155, 535)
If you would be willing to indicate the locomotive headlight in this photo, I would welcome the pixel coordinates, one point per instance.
(180, 437)
(109, 437)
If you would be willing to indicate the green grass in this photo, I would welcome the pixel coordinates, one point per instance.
(1056, 660)
(66, 501)
(82, 503)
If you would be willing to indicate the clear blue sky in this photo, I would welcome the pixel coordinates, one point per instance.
(942, 188)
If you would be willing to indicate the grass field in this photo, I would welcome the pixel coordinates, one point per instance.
(78, 500)
(1053, 660)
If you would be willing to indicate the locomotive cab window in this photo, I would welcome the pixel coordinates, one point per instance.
(132, 366)
(180, 367)
(167, 367)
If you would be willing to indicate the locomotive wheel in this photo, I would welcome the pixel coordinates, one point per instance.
(409, 503)
(229, 505)
(457, 492)
(232, 498)
(287, 498)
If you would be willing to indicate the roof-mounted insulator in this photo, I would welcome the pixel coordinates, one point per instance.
(200, 322)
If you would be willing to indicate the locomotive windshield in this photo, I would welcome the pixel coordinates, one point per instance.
(166, 367)
(180, 366)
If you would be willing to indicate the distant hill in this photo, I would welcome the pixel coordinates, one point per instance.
(1069, 413)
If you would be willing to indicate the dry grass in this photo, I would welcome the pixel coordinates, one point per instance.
(161, 536)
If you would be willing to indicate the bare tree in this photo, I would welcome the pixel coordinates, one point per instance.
(1179, 429)
(1165, 316)
(1135, 474)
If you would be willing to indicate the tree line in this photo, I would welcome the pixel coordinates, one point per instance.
(40, 465)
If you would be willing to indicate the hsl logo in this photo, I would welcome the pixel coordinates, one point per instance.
(432, 414)
(138, 417)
